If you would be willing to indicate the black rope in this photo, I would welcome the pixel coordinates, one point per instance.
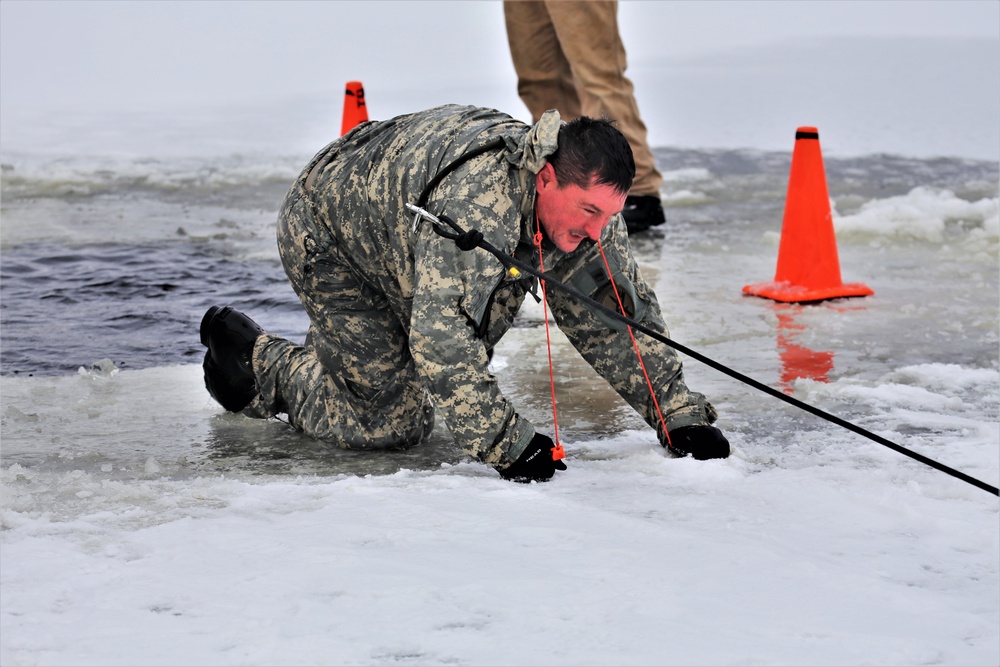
(508, 262)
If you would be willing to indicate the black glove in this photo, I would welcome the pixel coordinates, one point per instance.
(702, 442)
(535, 464)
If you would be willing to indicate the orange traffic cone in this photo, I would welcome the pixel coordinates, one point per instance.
(808, 264)
(355, 111)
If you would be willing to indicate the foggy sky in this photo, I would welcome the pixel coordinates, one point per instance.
(707, 73)
(96, 55)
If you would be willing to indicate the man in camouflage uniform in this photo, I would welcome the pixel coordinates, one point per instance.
(403, 321)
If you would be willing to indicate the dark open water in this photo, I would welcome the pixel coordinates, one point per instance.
(72, 299)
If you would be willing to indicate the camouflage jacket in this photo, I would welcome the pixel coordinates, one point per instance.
(455, 305)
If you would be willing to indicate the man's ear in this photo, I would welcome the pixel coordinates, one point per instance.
(546, 177)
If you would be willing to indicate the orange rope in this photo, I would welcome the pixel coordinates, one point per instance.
(557, 452)
(635, 345)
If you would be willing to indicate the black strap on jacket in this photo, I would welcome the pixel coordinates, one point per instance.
(455, 164)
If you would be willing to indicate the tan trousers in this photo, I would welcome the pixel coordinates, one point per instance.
(569, 56)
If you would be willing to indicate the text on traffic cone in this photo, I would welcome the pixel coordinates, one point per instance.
(355, 111)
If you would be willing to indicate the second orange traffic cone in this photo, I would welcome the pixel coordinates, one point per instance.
(808, 264)
(355, 111)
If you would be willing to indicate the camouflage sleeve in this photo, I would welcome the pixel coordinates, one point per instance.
(450, 289)
(606, 345)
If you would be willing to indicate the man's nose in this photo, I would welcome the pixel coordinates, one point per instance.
(594, 229)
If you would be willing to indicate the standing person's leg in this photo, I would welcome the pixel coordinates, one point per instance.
(544, 77)
(354, 382)
(588, 36)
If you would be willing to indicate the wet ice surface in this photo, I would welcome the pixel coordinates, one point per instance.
(136, 512)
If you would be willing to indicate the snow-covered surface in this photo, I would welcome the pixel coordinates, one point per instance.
(827, 550)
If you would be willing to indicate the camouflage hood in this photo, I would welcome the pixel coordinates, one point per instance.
(537, 144)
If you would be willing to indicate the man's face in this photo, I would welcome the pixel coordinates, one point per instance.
(569, 214)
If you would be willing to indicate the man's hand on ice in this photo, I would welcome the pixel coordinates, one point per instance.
(535, 464)
(701, 441)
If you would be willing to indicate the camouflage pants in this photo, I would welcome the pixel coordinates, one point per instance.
(354, 382)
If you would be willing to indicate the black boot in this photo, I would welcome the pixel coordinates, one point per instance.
(229, 336)
(642, 212)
